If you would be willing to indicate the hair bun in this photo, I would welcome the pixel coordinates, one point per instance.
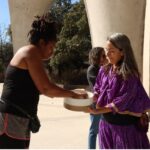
(43, 27)
(36, 23)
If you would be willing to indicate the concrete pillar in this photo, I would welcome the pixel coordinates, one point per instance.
(126, 16)
(146, 54)
(22, 13)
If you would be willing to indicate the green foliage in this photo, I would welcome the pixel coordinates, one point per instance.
(58, 9)
(72, 49)
(6, 51)
(1, 67)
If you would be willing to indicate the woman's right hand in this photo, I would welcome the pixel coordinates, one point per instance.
(79, 95)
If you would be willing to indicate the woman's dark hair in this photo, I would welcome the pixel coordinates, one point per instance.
(95, 54)
(43, 28)
(128, 65)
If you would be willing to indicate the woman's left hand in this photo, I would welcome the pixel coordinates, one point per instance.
(99, 110)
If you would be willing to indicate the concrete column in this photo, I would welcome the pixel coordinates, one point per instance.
(146, 54)
(22, 13)
(108, 16)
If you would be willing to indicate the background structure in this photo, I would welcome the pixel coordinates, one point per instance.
(104, 16)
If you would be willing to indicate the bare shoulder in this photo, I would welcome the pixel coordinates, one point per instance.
(29, 51)
(24, 54)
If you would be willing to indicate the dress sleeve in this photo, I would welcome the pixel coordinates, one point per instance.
(126, 95)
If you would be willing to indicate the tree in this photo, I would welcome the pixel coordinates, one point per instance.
(6, 50)
(68, 63)
(58, 9)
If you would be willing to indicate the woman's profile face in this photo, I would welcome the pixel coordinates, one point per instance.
(113, 54)
(48, 49)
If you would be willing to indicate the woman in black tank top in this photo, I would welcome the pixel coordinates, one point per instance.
(25, 79)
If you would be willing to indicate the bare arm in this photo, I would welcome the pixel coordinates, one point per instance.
(100, 110)
(41, 80)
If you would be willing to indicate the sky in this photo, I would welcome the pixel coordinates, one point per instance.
(4, 14)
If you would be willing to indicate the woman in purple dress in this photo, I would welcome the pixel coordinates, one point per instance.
(122, 100)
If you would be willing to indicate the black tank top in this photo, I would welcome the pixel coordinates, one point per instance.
(19, 89)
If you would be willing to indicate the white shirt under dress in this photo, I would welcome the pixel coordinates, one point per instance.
(14, 126)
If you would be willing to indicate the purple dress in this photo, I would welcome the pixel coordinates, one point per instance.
(123, 97)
